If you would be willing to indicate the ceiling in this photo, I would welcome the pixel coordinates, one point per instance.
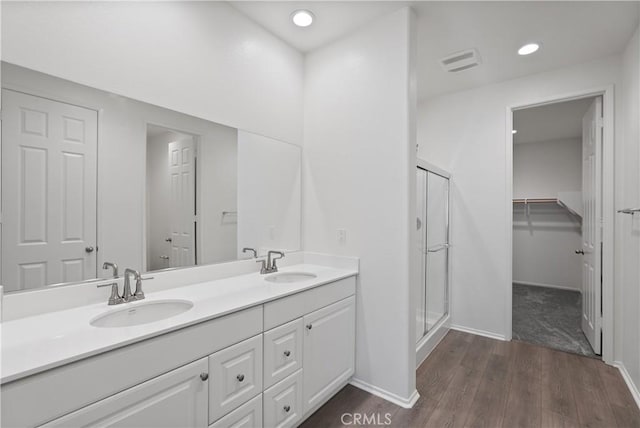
(551, 122)
(570, 32)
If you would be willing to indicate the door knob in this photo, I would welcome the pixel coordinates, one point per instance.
(580, 252)
(89, 249)
(204, 376)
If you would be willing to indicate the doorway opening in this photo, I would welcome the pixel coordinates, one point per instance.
(557, 235)
(172, 211)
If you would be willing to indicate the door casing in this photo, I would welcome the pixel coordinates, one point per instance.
(608, 208)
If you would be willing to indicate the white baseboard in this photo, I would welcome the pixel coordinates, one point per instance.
(477, 332)
(407, 403)
(627, 379)
(538, 284)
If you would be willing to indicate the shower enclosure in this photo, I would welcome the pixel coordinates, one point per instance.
(432, 228)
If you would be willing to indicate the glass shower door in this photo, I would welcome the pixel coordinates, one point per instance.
(437, 257)
(433, 244)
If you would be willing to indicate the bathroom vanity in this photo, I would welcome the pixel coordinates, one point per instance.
(251, 350)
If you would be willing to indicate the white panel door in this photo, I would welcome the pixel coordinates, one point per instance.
(175, 399)
(328, 351)
(592, 224)
(48, 191)
(182, 202)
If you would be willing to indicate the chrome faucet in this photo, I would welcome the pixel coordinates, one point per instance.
(269, 265)
(127, 296)
(126, 292)
(113, 266)
(253, 250)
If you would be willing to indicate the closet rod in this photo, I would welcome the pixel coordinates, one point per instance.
(535, 201)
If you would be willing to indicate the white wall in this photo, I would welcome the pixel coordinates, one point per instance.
(269, 194)
(544, 242)
(218, 163)
(465, 133)
(627, 294)
(201, 58)
(359, 173)
(542, 169)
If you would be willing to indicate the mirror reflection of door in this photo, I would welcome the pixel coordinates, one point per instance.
(171, 198)
(48, 191)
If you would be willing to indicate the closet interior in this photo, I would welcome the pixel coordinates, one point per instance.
(553, 182)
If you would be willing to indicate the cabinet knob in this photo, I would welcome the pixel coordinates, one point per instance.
(89, 249)
(240, 377)
(287, 408)
(309, 326)
(204, 376)
(580, 252)
(287, 353)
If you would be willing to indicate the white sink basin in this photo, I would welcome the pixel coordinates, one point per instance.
(141, 313)
(289, 277)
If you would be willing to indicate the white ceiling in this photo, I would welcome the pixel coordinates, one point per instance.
(570, 32)
(333, 19)
(559, 121)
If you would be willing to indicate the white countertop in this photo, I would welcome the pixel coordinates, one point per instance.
(34, 344)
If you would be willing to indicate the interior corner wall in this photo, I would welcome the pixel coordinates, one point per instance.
(626, 294)
(198, 58)
(358, 167)
(465, 133)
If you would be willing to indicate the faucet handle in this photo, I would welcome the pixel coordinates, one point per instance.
(273, 266)
(263, 268)
(115, 298)
(139, 294)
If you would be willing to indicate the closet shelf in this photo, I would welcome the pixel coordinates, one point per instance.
(570, 201)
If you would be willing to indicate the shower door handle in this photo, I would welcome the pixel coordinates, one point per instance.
(437, 248)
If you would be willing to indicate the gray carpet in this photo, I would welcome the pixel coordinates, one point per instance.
(549, 317)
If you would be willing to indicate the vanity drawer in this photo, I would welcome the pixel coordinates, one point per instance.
(235, 376)
(282, 351)
(249, 415)
(282, 405)
(297, 305)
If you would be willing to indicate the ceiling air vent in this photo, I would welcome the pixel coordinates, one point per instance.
(460, 61)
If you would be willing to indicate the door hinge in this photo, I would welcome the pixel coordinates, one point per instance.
(600, 122)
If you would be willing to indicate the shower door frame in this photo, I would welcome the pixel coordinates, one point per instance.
(430, 340)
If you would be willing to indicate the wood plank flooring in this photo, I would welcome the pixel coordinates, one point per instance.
(473, 381)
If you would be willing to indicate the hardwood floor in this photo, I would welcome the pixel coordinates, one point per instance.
(473, 381)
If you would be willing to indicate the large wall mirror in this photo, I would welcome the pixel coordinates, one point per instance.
(90, 177)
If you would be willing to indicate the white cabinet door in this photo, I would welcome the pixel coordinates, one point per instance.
(282, 351)
(283, 405)
(175, 399)
(249, 415)
(236, 376)
(329, 351)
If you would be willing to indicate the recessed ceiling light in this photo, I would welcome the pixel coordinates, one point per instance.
(528, 49)
(514, 131)
(302, 18)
